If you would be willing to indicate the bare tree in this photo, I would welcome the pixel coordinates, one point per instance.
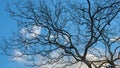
(65, 33)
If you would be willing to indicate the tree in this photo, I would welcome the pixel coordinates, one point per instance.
(61, 33)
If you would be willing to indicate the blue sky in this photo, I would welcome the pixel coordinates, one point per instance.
(7, 27)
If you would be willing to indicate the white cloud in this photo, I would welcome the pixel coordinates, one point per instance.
(31, 32)
(23, 31)
(115, 39)
(19, 57)
(35, 31)
(52, 36)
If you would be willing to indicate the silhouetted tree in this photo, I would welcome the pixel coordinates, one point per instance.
(61, 33)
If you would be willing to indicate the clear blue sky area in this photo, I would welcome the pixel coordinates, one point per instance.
(7, 26)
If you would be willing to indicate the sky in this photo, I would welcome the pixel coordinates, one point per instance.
(7, 27)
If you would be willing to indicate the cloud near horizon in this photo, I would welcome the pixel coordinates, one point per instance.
(19, 57)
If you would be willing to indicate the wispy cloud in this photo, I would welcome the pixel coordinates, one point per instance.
(115, 39)
(31, 32)
(19, 57)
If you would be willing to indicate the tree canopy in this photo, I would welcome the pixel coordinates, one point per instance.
(66, 33)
